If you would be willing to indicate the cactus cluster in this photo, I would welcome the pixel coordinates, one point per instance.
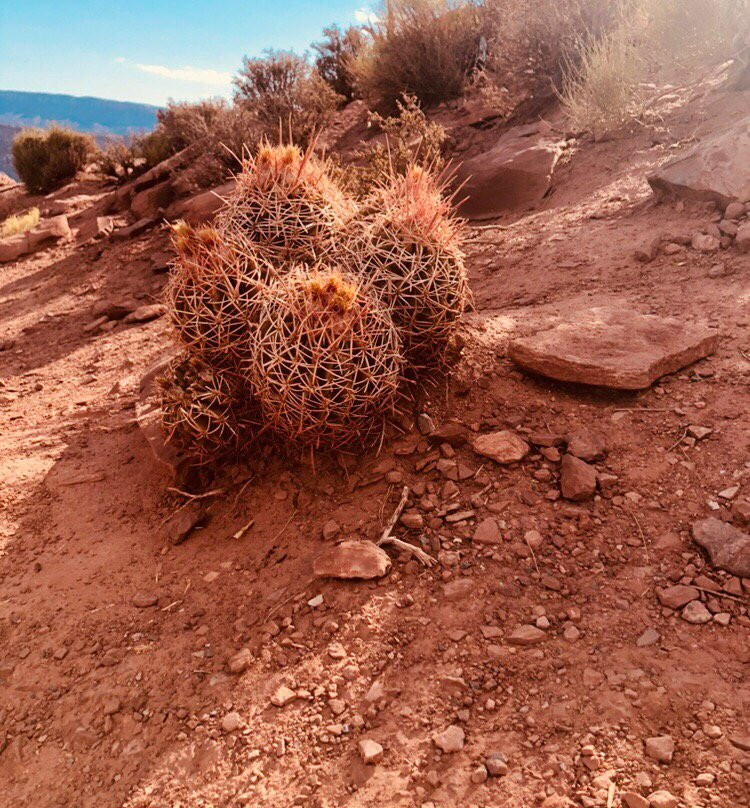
(298, 309)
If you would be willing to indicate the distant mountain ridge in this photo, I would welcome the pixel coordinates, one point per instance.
(7, 133)
(84, 113)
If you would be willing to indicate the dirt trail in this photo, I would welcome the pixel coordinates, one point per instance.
(114, 685)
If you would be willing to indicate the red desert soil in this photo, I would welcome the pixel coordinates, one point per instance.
(115, 688)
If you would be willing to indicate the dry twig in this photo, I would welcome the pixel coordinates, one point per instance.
(192, 497)
(386, 537)
(643, 535)
(241, 532)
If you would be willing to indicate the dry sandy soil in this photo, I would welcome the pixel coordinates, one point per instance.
(114, 680)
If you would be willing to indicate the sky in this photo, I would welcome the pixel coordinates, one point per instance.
(152, 50)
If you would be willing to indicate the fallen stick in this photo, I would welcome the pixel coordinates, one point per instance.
(213, 493)
(286, 525)
(643, 535)
(396, 514)
(386, 537)
(241, 532)
(678, 441)
(719, 594)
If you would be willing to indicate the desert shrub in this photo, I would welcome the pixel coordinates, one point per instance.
(224, 132)
(45, 159)
(221, 131)
(336, 53)
(19, 223)
(285, 96)
(410, 140)
(153, 147)
(537, 43)
(423, 47)
(119, 160)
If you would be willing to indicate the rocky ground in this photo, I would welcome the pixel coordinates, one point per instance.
(573, 644)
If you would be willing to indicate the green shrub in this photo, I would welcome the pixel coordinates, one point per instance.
(335, 56)
(285, 96)
(426, 48)
(153, 147)
(46, 159)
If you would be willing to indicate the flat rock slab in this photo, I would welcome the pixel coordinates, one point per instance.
(514, 175)
(503, 447)
(527, 635)
(727, 546)
(717, 168)
(352, 559)
(617, 348)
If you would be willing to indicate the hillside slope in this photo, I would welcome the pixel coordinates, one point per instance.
(142, 669)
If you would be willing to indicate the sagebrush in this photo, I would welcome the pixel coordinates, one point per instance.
(285, 96)
(335, 55)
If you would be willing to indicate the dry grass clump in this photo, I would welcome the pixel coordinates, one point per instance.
(19, 223)
(327, 360)
(286, 203)
(611, 77)
(601, 91)
(207, 413)
(410, 249)
(533, 45)
(686, 33)
(214, 292)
